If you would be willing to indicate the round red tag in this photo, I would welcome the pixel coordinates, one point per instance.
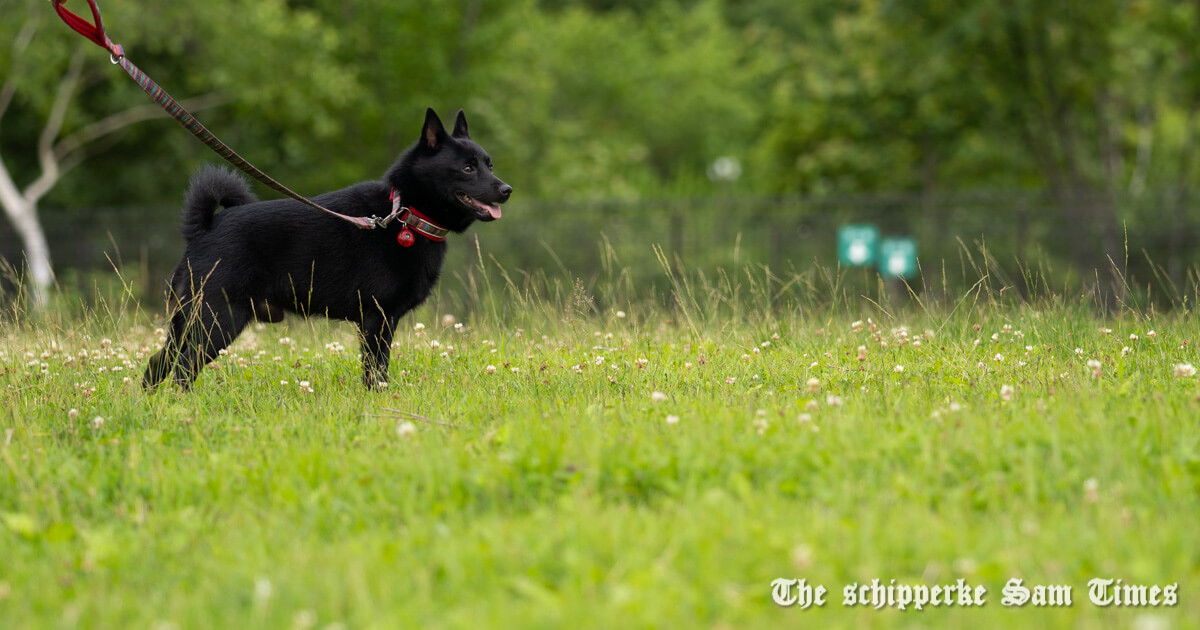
(405, 237)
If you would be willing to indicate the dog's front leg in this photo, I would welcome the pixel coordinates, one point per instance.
(376, 331)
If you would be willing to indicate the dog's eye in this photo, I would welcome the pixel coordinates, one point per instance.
(470, 168)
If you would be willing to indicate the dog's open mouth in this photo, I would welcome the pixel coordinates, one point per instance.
(485, 212)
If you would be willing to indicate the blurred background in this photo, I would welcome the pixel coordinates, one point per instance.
(1049, 146)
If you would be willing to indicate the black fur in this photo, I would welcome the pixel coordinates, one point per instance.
(257, 259)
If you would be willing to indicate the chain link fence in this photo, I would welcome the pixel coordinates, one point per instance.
(1009, 236)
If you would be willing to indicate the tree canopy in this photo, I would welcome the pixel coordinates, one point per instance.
(615, 99)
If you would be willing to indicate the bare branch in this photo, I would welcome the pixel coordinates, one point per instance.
(62, 100)
(75, 142)
(18, 53)
(58, 111)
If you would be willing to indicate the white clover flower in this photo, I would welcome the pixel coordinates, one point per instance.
(1151, 621)
(1184, 369)
(1151, 334)
(418, 326)
(659, 397)
(1006, 392)
(405, 428)
(672, 419)
(898, 369)
(262, 589)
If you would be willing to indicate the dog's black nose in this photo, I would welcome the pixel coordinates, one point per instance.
(505, 191)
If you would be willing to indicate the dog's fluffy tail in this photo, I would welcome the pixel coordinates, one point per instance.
(212, 187)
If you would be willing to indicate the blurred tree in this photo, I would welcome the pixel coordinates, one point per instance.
(574, 102)
(1086, 100)
(66, 102)
(623, 104)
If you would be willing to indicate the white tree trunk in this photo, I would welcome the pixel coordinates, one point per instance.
(37, 252)
(22, 213)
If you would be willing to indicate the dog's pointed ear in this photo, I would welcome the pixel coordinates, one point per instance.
(433, 132)
(460, 125)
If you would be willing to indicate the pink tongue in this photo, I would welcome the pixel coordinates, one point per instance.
(479, 205)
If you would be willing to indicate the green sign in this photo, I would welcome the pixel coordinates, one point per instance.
(857, 243)
(898, 257)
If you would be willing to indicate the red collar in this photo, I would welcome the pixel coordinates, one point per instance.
(411, 218)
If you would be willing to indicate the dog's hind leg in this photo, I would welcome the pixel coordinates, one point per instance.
(213, 326)
(161, 364)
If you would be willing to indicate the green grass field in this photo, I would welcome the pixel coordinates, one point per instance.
(545, 463)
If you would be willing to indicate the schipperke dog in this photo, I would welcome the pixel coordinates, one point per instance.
(258, 259)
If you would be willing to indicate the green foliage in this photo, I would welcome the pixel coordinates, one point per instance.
(628, 100)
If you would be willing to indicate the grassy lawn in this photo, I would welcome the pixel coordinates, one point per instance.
(546, 467)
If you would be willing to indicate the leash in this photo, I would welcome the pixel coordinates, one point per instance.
(94, 31)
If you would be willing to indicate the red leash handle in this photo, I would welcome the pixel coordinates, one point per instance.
(93, 30)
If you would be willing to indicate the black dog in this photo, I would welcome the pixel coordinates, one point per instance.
(257, 259)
